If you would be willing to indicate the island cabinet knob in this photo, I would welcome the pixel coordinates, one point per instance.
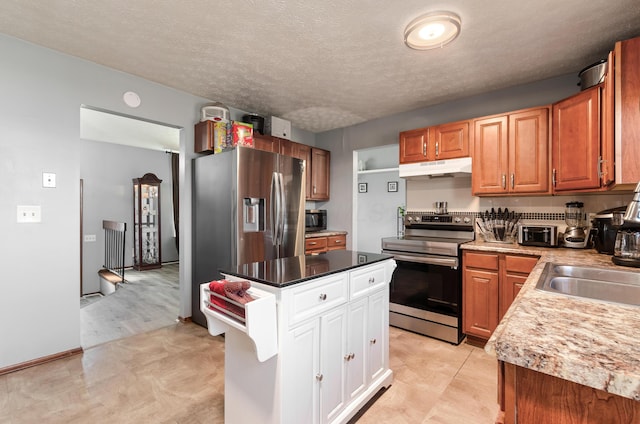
(372, 280)
(349, 356)
(372, 341)
(319, 377)
(323, 296)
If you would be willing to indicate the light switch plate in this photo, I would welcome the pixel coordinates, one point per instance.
(29, 214)
(48, 180)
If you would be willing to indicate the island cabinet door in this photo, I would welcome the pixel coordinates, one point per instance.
(332, 374)
(301, 376)
(377, 336)
(355, 356)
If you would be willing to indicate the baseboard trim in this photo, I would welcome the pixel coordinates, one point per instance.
(40, 361)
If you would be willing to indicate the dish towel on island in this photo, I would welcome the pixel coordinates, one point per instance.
(234, 290)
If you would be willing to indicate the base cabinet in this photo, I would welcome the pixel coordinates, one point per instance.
(333, 354)
(325, 243)
(345, 351)
(528, 396)
(490, 283)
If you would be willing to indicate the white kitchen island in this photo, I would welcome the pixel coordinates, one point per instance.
(331, 335)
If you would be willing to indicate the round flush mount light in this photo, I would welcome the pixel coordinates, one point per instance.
(131, 99)
(433, 30)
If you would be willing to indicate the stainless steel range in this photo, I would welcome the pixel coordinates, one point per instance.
(426, 289)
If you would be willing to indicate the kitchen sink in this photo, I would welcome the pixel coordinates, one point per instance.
(609, 285)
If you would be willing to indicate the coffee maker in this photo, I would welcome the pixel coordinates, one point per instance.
(626, 250)
(577, 234)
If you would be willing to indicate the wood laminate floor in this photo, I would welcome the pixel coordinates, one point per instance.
(148, 301)
(176, 375)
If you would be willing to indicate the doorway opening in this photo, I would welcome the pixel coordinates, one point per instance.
(114, 150)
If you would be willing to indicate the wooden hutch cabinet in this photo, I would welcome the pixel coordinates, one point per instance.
(146, 222)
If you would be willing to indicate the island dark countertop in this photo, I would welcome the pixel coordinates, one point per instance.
(285, 272)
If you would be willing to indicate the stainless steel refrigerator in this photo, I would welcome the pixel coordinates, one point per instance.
(248, 206)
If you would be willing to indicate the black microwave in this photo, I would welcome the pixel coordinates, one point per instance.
(315, 220)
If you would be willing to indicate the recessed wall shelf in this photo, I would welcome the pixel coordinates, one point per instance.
(378, 171)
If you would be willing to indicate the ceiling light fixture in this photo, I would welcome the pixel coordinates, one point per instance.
(433, 30)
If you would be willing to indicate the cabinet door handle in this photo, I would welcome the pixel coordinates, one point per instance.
(553, 177)
(513, 180)
(372, 341)
(319, 377)
(424, 148)
(314, 189)
(372, 280)
(353, 355)
(437, 150)
(504, 181)
(323, 296)
(349, 356)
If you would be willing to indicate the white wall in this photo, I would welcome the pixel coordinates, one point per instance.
(107, 171)
(377, 210)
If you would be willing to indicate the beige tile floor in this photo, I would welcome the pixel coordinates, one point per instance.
(176, 375)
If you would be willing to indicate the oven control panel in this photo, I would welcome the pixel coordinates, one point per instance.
(413, 218)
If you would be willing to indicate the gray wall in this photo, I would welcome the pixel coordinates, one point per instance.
(107, 171)
(42, 92)
(384, 131)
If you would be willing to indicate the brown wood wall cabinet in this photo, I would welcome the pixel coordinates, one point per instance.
(318, 160)
(490, 283)
(511, 153)
(446, 141)
(576, 148)
(528, 396)
(318, 163)
(323, 244)
(626, 62)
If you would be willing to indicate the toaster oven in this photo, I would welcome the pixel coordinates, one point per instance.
(538, 235)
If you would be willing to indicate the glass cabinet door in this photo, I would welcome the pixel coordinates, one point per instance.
(146, 222)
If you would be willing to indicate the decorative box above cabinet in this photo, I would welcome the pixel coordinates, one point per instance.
(146, 222)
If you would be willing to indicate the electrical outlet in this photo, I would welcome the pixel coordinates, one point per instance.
(27, 214)
(90, 237)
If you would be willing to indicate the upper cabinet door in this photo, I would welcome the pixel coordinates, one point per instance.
(449, 141)
(320, 168)
(413, 145)
(627, 117)
(529, 151)
(490, 155)
(576, 141)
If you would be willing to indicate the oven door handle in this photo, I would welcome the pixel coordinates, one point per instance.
(428, 260)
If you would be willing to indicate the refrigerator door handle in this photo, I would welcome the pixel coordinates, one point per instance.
(283, 208)
(274, 218)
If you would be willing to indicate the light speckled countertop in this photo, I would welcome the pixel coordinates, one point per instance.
(589, 342)
(324, 233)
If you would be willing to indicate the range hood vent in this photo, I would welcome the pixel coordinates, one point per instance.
(440, 168)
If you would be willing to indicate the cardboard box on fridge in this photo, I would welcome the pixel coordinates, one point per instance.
(211, 136)
(241, 134)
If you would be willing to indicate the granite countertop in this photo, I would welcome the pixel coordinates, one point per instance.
(589, 342)
(324, 233)
(284, 272)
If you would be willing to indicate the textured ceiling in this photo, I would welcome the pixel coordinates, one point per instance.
(331, 63)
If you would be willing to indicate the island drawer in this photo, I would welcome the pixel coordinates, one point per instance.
(311, 299)
(366, 279)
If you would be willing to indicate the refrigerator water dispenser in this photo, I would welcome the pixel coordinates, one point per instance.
(253, 215)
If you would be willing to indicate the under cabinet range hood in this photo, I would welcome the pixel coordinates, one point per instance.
(439, 168)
